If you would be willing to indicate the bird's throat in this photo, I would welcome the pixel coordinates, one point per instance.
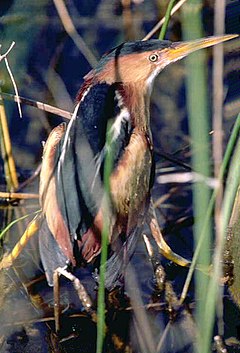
(137, 101)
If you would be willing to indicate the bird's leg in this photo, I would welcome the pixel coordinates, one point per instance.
(160, 275)
(56, 295)
(81, 291)
(162, 284)
(82, 294)
(163, 247)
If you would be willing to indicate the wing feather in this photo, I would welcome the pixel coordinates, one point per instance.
(82, 153)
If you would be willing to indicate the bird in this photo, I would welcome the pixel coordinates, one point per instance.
(110, 123)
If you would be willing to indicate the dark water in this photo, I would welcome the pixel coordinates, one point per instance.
(44, 45)
(26, 312)
(140, 317)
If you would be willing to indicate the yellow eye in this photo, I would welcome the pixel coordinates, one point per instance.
(153, 57)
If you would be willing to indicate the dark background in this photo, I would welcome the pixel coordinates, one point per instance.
(48, 67)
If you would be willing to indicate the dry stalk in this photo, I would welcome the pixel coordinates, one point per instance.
(72, 32)
(39, 105)
(6, 147)
(18, 196)
(161, 22)
(32, 228)
(4, 57)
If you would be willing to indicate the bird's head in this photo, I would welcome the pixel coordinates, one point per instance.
(141, 61)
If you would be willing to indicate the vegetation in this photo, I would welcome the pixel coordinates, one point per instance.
(196, 192)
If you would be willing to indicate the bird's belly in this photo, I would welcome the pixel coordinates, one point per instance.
(131, 178)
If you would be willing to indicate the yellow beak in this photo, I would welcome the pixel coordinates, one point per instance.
(179, 50)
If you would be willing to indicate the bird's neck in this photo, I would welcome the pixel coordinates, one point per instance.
(135, 96)
(137, 101)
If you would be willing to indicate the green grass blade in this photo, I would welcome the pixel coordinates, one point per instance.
(108, 166)
(198, 113)
(232, 185)
(210, 303)
(229, 149)
(6, 229)
(167, 19)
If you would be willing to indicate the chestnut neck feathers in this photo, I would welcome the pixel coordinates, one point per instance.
(135, 97)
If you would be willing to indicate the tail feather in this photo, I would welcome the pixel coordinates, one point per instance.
(51, 255)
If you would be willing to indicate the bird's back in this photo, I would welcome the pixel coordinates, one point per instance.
(77, 175)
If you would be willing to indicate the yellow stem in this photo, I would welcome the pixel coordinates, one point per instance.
(32, 228)
(18, 195)
(6, 147)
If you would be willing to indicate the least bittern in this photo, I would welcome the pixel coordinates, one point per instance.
(72, 190)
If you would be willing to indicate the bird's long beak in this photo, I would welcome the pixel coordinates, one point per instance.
(179, 50)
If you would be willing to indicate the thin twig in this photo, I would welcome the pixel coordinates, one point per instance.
(72, 32)
(3, 56)
(163, 337)
(14, 86)
(29, 180)
(18, 196)
(40, 105)
(172, 159)
(160, 23)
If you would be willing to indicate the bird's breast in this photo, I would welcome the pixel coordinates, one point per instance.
(130, 181)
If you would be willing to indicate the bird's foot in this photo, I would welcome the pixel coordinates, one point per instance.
(164, 248)
(81, 291)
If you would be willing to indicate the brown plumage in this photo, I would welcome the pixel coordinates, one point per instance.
(72, 192)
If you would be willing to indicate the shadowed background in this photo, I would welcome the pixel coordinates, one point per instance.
(48, 67)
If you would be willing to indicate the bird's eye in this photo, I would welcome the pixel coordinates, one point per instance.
(153, 57)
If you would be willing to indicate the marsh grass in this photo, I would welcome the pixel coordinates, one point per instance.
(208, 292)
(108, 167)
(207, 287)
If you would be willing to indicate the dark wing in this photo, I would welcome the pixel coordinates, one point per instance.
(54, 241)
(71, 187)
(48, 193)
(81, 155)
